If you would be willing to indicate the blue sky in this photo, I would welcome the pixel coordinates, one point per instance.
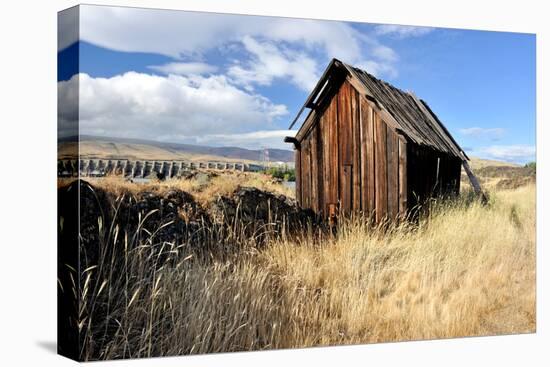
(218, 79)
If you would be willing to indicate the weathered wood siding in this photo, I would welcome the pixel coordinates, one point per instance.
(352, 160)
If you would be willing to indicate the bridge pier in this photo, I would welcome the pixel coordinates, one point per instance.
(140, 166)
(143, 168)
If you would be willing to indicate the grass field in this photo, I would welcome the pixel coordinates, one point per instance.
(467, 269)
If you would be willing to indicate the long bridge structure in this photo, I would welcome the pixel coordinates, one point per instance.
(144, 168)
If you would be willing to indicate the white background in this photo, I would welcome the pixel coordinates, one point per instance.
(28, 197)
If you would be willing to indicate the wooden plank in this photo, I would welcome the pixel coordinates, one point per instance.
(344, 124)
(405, 115)
(356, 150)
(309, 122)
(392, 152)
(344, 144)
(314, 203)
(347, 191)
(332, 161)
(403, 188)
(298, 162)
(303, 184)
(381, 200)
(320, 168)
(325, 137)
(371, 160)
(309, 178)
(381, 108)
(411, 175)
(363, 119)
(306, 172)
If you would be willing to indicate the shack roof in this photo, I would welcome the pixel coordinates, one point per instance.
(403, 111)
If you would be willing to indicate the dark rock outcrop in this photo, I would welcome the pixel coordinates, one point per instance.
(250, 205)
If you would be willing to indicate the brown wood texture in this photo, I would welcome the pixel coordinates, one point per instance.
(381, 174)
(363, 158)
(314, 200)
(306, 174)
(392, 151)
(353, 159)
(411, 176)
(403, 188)
(371, 159)
(324, 125)
(298, 163)
(307, 125)
(356, 150)
(320, 168)
(345, 146)
(412, 116)
(347, 193)
(332, 161)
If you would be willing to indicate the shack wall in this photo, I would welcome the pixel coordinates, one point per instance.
(351, 161)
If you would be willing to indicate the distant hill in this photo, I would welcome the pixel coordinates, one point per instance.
(476, 163)
(499, 175)
(123, 148)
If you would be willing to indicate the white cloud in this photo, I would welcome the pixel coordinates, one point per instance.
(269, 62)
(480, 132)
(509, 153)
(252, 140)
(193, 99)
(181, 34)
(185, 68)
(170, 108)
(384, 53)
(337, 39)
(177, 33)
(378, 69)
(401, 31)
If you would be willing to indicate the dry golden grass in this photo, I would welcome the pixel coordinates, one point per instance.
(203, 191)
(466, 270)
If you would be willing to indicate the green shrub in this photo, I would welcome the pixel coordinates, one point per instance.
(283, 173)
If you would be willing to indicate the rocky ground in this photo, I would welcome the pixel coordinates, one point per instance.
(174, 216)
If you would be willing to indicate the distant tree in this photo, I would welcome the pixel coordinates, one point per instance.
(290, 175)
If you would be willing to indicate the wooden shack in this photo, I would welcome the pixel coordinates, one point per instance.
(369, 147)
